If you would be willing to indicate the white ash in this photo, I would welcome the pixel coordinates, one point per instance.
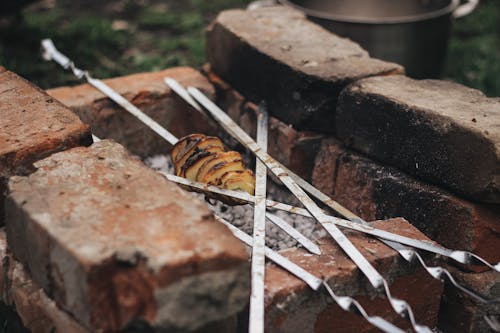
(242, 216)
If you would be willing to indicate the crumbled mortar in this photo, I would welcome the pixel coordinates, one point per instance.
(242, 216)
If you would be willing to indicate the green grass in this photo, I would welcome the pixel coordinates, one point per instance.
(474, 54)
(160, 34)
(157, 35)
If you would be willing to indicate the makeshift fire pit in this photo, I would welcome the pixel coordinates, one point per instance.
(118, 246)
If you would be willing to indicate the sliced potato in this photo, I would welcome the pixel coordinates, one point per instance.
(214, 143)
(193, 165)
(210, 141)
(239, 181)
(202, 158)
(212, 177)
(217, 159)
(184, 144)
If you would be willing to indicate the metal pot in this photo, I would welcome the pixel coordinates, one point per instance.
(413, 33)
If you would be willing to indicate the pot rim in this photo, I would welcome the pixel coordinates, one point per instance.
(370, 20)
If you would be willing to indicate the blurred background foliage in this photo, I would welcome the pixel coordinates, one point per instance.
(119, 37)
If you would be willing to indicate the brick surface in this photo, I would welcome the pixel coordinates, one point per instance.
(439, 131)
(292, 307)
(38, 312)
(462, 313)
(295, 149)
(275, 54)
(113, 242)
(148, 92)
(32, 126)
(374, 191)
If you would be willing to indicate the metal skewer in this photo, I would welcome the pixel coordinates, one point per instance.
(345, 302)
(463, 257)
(256, 320)
(460, 256)
(350, 304)
(409, 254)
(363, 264)
(376, 279)
(367, 229)
(51, 53)
(437, 272)
(311, 280)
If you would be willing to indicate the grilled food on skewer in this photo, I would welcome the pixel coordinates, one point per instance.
(239, 180)
(184, 143)
(203, 159)
(208, 143)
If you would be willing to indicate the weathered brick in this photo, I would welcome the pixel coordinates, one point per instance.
(38, 313)
(295, 149)
(32, 126)
(293, 307)
(148, 92)
(439, 131)
(113, 242)
(374, 191)
(462, 313)
(275, 54)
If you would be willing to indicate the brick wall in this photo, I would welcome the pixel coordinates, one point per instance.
(425, 150)
(381, 144)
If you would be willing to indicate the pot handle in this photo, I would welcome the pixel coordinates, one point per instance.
(261, 3)
(465, 9)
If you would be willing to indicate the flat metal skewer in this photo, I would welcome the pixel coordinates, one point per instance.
(367, 229)
(400, 306)
(311, 280)
(350, 304)
(256, 319)
(371, 273)
(51, 53)
(345, 302)
(376, 279)
(463, 257)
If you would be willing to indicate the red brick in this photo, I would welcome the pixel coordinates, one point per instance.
(438, 131)
(462, 313)
(292, 307)
(275, 54)
(374, 191)
(295, 149)
(38, 312)
(32, 126)
(148, 92)
(112, 242)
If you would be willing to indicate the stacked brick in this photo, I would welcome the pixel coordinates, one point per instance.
(97, 241)
(275, 54)
(33, 125)
(78, 260)
(424, 150)
(292, 307)
(148, 92)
